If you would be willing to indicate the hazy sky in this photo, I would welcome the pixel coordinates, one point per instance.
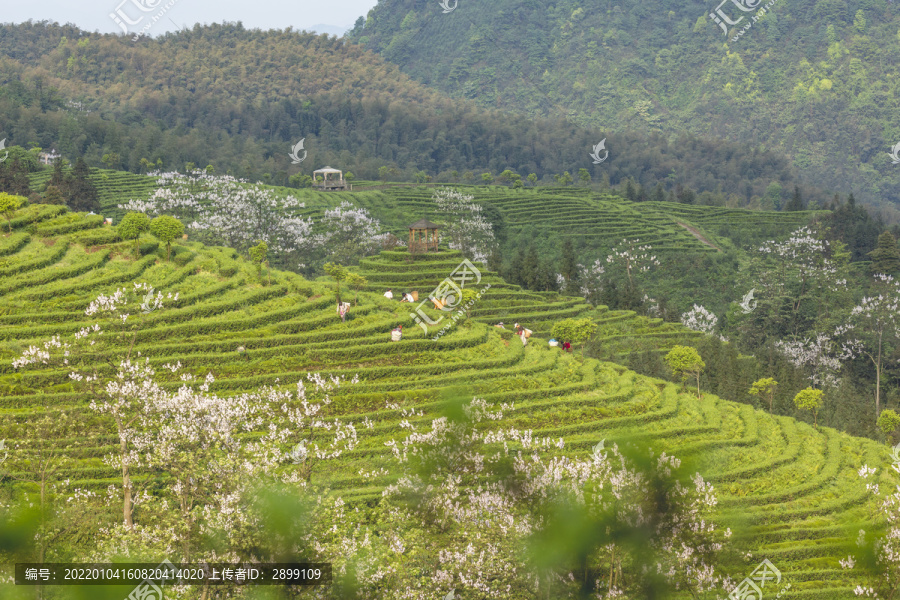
(94, 15)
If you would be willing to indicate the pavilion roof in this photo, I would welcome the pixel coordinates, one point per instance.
(424, 224)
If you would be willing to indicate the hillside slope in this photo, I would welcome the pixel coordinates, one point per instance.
(815, 79)
(241, 100)
(701, 247)
(795, 486)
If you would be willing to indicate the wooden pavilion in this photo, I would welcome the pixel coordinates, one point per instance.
(332, 179)
(423, 236)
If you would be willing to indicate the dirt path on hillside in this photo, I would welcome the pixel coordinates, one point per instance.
(696, 233)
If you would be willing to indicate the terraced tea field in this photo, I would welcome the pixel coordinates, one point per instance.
(113, 187)
(598, 219)
(794, 487)
(507, 303)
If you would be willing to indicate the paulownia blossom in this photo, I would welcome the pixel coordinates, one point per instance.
(473, 494)
(464, 223)
(700, 319)
(887, 548)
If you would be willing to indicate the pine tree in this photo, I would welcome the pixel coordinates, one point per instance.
(629, 191)
(531, 269)
(796, 202)
(687, 196)
(58, 178)
(514, 272)
(886, 256)
(14, 178)
(569, 265)
(82, 191)
(53, 195)
(641, 194)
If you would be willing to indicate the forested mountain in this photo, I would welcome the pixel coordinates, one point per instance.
(816, 79)
(240, 99)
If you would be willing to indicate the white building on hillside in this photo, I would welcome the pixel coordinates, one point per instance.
(47, 158)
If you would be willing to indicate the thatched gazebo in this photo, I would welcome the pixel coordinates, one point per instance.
(332, 179)
(423, 236)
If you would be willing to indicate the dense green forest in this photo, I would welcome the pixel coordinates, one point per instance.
(816, 79)
(239, 100)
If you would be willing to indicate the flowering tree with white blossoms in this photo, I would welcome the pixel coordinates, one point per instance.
(797, 282)
(475, 506)
(626, 260)
(229, 211)
(115, 385)
(884, 550)
(186, 433)
(814, 263)
(873, 326)
(819, 357)
(633, 257)
(592, 282)
(700, 319)
(346, 233)
(465, 224)
(195, 438)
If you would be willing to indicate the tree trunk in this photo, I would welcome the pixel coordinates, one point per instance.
(43, 544)
(126, 480)
(126, 504)
(878, 378)
(186, 515)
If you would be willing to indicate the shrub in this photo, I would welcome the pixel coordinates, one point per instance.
(810, 399)
(166, 229)
(579, 331)
(764, 387)
(131, 228)
(686, 361)
(888, 421)
(8, 205)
